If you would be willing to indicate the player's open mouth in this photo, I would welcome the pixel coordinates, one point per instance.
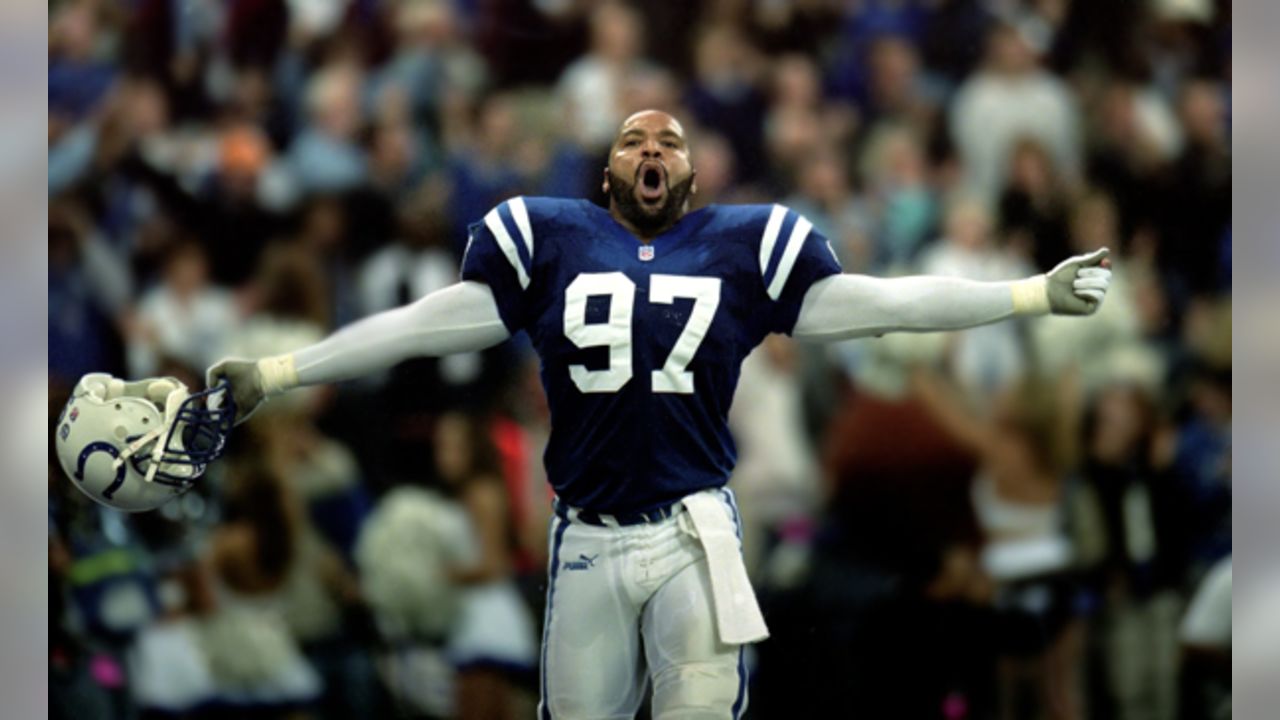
(652, 185)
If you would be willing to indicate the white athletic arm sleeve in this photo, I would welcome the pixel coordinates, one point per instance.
(849, 306)
(460, 318)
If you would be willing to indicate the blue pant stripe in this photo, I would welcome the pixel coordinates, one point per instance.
(740, 702)
(560, 526)
(733, 506)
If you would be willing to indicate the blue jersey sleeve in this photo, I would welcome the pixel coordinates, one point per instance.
(500, 253)
(793, 256)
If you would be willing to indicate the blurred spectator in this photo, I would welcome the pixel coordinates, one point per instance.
(861, 27)
(492, 644)
(1205, 680)
(325, 233)
(290, 305)
(482, 170)
(406, 554)
(89, 289)
(827, 200)
(420, 260)
(527, 405)
(398, 163)
(903, 206)
(321, 471)
(792, 134)
(1115, 344)
(777, 474)
(81, 70)
(397, 156)
(725, 94)
(1201, 456)
(1023, 451)
(184, 318)
(717, 168)
(102, 592)
(418, 263)
(1196, 213)
(1110, 33)
(890, 593)
(796, 83)
(591, 86)
(276, 587)
(1012, 97)
(1128, 152)
(989, 358)
(222, 204)
(256, 31)
(432, 60)
(324, 484)
(528, 43)
(1178, 47)
(1129, 522)
(953, 35)
(93, 158)
(324, 157)
(650, 87)
(1033, 207)
(897, 90)
(799, 122)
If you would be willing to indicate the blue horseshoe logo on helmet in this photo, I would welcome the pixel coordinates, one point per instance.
(109, 449)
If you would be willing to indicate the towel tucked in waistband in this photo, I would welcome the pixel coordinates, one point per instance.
(738, 616)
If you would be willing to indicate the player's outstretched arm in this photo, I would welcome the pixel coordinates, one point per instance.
(460, 318)
(849, 306)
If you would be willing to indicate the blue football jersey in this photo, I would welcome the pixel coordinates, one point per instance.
(641, 345)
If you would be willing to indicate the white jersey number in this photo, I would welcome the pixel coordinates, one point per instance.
(674, 376)
(616, 333)
(705, 291)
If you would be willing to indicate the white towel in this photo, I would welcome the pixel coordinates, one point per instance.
(738, 616)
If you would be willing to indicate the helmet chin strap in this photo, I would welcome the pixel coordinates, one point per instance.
(177, 395)
(133, 447)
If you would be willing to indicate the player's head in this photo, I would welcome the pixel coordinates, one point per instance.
(649, 179)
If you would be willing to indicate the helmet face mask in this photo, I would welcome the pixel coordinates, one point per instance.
(196, 437)
(133, 446)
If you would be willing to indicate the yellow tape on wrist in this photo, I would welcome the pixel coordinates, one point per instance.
(1030, 296)
(278, 374)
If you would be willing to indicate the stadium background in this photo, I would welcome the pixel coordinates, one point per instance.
(1008, 522)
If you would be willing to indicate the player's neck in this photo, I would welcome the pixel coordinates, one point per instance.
(644, 237)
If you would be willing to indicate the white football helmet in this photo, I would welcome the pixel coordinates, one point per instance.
(134, 445)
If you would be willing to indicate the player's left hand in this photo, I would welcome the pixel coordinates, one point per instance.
(1078, 285)
(245, 381)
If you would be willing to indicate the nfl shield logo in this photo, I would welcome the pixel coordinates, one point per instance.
(646, 252)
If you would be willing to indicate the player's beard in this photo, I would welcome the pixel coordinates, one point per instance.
(650, 219)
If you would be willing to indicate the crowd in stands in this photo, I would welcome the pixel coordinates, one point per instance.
(1026, 520)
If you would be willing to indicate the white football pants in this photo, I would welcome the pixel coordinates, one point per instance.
(631, 605)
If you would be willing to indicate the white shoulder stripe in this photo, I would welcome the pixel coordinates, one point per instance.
(521, 215)
(494, 222)
(789, 255)
(770, 239)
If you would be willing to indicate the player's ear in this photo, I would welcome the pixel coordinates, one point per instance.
(605, 185)
(693, 186)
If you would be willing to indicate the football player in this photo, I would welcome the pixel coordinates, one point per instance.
(641, 315)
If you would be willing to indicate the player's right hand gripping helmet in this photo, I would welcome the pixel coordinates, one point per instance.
(134, 445)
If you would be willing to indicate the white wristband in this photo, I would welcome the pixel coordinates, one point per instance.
(278, 374)
(1030, 296)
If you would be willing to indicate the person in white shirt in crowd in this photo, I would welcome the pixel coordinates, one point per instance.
(1010, 97)
(184, 317)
